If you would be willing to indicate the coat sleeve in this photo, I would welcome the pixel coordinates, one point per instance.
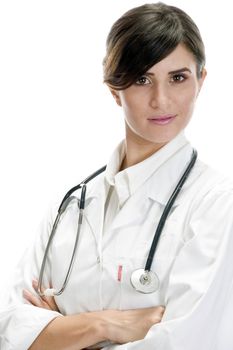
(20, 322)
(199, 299)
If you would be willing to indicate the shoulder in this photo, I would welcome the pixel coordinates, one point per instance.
(208, 205)
(211, 195)
(217, 182)
(207, 182)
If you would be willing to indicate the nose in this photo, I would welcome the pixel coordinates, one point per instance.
(159, 98)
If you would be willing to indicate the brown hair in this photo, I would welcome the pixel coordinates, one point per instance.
(145, 35)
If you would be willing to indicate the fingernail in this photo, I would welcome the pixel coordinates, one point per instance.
(26, 293)
(34, 282)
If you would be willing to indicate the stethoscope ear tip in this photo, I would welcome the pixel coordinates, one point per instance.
(49, 292)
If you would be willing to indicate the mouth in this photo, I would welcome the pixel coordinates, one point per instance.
(162, 119)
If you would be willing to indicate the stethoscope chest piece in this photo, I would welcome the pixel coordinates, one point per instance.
(145, 281)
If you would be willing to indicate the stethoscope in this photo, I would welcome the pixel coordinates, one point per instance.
(143, 280)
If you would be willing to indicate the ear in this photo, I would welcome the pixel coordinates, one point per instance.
(202, 78)
(116, 96)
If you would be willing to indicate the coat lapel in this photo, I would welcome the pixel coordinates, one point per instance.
(134, 209)
(158, 189)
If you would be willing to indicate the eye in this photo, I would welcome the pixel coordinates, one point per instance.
(143, 80)
(178, 78)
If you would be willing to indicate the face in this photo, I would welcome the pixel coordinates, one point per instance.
(160, 103)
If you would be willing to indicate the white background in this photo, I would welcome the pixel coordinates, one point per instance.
(59, 122)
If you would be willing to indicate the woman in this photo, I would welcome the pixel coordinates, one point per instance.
(155, 68)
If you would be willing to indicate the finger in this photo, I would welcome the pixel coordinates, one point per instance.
(50, 301)
(161, 310)
(158, 314)
(31, 298)
(35, 300)
(35, 285)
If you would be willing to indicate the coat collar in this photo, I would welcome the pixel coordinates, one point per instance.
(160, 173)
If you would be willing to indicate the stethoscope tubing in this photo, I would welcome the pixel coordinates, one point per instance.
(68, 198)
(167, 210)
(75, 188)
(65, 201)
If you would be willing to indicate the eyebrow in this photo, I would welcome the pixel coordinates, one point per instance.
(184, 69)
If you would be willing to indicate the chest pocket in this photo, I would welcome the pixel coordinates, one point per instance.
(135, 241)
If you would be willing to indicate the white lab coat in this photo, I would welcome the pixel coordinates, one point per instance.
(194, 260)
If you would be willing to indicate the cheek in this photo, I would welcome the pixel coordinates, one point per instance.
(133, 98)
(132, 107)
(186, 101)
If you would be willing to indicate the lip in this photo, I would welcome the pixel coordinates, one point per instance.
(162, 119)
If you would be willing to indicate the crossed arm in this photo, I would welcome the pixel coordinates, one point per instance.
(87, 329)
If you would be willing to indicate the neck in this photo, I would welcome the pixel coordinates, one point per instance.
(137, 150)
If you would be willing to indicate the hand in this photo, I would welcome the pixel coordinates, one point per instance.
(43, 302)
(129, 325)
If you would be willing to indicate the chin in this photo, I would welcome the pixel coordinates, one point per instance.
(162, 137)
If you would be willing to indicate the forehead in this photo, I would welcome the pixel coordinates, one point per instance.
(180, 57)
